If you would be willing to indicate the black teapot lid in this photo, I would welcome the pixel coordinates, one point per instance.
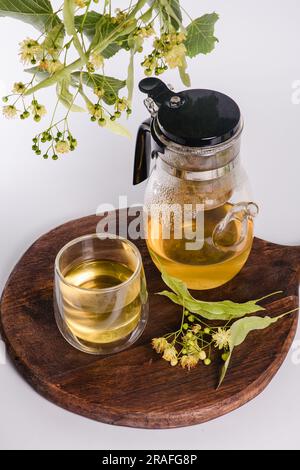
(193, 118)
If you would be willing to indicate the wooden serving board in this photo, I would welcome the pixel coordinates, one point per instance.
(135, 387)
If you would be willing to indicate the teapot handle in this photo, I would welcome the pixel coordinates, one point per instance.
(241, 213)
(142, 153)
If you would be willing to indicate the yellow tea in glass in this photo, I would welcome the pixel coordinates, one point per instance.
(100, 293)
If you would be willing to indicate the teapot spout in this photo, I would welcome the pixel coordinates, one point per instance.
(238, 216)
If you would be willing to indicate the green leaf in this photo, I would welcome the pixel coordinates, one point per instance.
(146, 17)
(89, 30)
(87, 23)
(117, 128)
(65, 96)
(185, 78)
(214, 310)
(38, 13)
(223, 310)
(177, 15)
(177, 286)
(111, 85)
(130, 77)
(68, 12)
(240, 330)
(107, 32)
(54, 40)
(56, 77)
(104, 29)
(39, 74)
(173, 9)
(200, 35)
(138, 6)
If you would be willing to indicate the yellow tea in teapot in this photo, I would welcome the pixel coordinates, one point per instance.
(189, 151)
(211, 265)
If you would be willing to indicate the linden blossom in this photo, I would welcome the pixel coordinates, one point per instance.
(114, 460)
(66, 52)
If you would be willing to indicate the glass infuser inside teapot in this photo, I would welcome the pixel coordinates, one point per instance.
(199, 217)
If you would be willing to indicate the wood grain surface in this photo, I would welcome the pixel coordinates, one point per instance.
(135, 387)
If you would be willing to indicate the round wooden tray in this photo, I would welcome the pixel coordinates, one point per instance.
(135, 387)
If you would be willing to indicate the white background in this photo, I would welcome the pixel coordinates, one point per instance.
(256, 62)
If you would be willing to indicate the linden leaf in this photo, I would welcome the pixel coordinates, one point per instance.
(110, 85)
(69, 21)
(104, 28)
(200, 35)
(68, 12)
(178, 286)
(54, 40)
(222, 310)
(172, 9)
(185, 78)
(66, 97)
(240, 330)
(37, 13)
(146, 17)
(38, 73)
(87, 23)
(130, 77)
(117, 128)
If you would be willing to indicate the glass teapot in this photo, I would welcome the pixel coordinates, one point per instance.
(199, 220)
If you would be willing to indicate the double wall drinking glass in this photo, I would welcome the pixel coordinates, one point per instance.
(100, 293)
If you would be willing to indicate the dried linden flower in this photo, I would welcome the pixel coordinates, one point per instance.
(160, 344)
(221, 338)
(18, 87)
(120, 16)
(54, 66)
(95, 110)
(180, 37)
(9, 111)
(30, 51)
(44, 65)
(97, 60)
(99, 91)
(121, 104)
(145, 32)
(38, 110)
(196, 328)
(189, 361)
(80, 3)
(170, 354)
(62, 146)
(176, 56)
(169, 50)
